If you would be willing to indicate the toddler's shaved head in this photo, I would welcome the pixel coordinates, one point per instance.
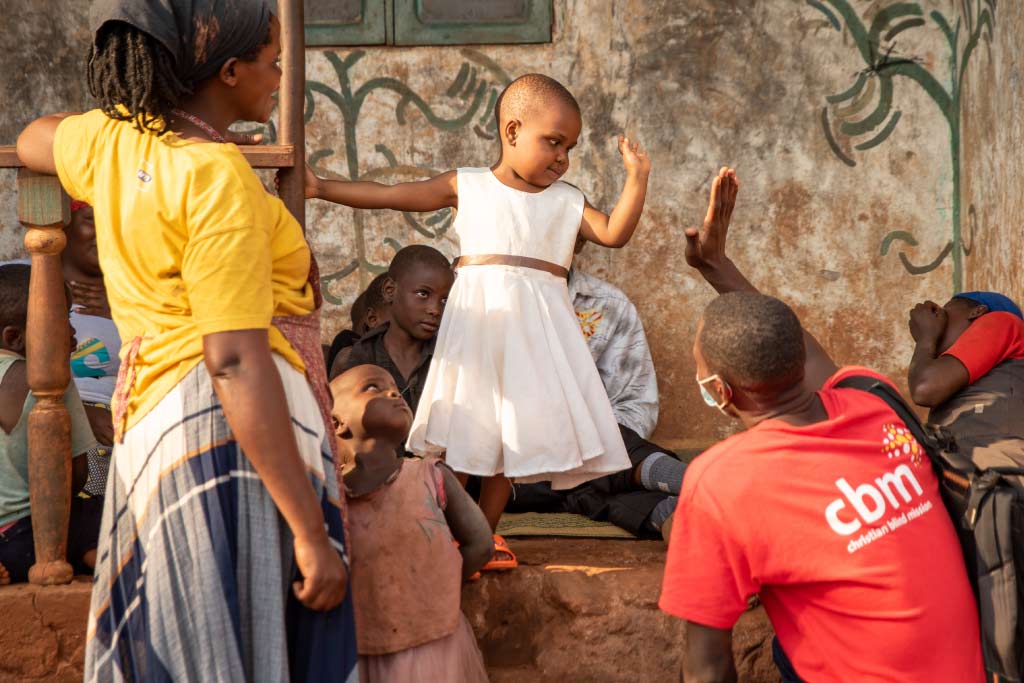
(530, 92)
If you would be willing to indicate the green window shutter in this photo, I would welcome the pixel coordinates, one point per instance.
(345, 22)
(462, 22)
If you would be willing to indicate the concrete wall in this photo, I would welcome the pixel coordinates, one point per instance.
(993, 164)
(846, 203)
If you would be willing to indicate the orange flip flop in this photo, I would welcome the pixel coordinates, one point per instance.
(501, 564)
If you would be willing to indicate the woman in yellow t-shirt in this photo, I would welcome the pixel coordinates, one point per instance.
(221, 555)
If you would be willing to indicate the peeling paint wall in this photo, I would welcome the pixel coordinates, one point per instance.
(993, 163)
(800, 96)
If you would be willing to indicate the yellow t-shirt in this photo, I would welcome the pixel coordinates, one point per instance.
(189, 241)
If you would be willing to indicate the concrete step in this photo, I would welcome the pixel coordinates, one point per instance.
(575, 611)
(586, 610)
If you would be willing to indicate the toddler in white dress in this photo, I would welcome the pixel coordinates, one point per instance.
(512, 391)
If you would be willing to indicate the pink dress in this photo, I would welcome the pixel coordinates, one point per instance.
(406, 578)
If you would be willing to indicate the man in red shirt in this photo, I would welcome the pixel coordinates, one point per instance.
(825, 506)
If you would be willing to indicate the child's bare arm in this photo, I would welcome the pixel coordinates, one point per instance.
(615, 230)
(468, 525)
(435, 193)
(13, 392)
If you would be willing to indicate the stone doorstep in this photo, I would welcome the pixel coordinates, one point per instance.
(585, 610)
(575, 611)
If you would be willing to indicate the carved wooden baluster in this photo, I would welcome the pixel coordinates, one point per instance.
(292, 99)
(43, 209)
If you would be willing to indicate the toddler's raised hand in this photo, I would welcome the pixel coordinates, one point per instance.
(634, 158)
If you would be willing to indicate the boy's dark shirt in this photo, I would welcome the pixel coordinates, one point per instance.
(369, 350)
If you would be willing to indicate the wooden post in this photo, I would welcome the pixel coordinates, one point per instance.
(291, 101)
(43, 209)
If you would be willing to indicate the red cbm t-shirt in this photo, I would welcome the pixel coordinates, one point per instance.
(840, 528)
(988, 341)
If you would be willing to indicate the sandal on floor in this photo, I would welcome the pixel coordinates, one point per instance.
(498, 563)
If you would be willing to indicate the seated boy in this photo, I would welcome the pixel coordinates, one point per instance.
(17, 551)
(415, 289)
(641, 498)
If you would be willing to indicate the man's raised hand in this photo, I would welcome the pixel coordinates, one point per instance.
(706, 247)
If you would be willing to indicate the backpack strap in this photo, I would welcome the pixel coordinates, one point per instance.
(943, 453)
(895, 401)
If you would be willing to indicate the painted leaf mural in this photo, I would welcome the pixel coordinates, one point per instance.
(863, 114)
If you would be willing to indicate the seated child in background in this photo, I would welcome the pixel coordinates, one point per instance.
(639, 499)
(512, 389)
(95, 361)
(378, 309)
(368, 312)
(346, 337)
(414, 290)
(406, 574)
(17, 551)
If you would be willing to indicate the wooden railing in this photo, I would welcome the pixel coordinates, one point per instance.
(43, 209)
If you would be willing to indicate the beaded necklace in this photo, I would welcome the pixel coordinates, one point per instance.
(199, 123)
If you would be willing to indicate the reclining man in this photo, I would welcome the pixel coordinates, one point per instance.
(815, 507)
(968, 367)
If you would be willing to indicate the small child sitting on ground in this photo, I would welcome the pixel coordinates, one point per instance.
(17, 550)
(414, 291)
(406, 574)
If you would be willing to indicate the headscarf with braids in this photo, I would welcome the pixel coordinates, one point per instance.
(175, 45)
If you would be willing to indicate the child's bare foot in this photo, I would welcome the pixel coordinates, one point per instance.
(5, 577)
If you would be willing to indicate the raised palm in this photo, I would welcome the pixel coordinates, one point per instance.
(706, 247)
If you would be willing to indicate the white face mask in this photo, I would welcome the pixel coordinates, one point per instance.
(709, 399)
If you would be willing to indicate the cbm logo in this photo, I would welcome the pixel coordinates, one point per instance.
(869, 500)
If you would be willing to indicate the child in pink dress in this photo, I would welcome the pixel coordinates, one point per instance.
(512, 390)
(407, 571)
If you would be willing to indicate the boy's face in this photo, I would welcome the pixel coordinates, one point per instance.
(417, 299)
(367, 405)
(539, 146)
(12, 338)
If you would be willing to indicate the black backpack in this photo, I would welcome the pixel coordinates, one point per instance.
(987, 510)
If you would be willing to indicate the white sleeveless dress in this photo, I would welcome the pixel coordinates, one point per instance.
(512, 387)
